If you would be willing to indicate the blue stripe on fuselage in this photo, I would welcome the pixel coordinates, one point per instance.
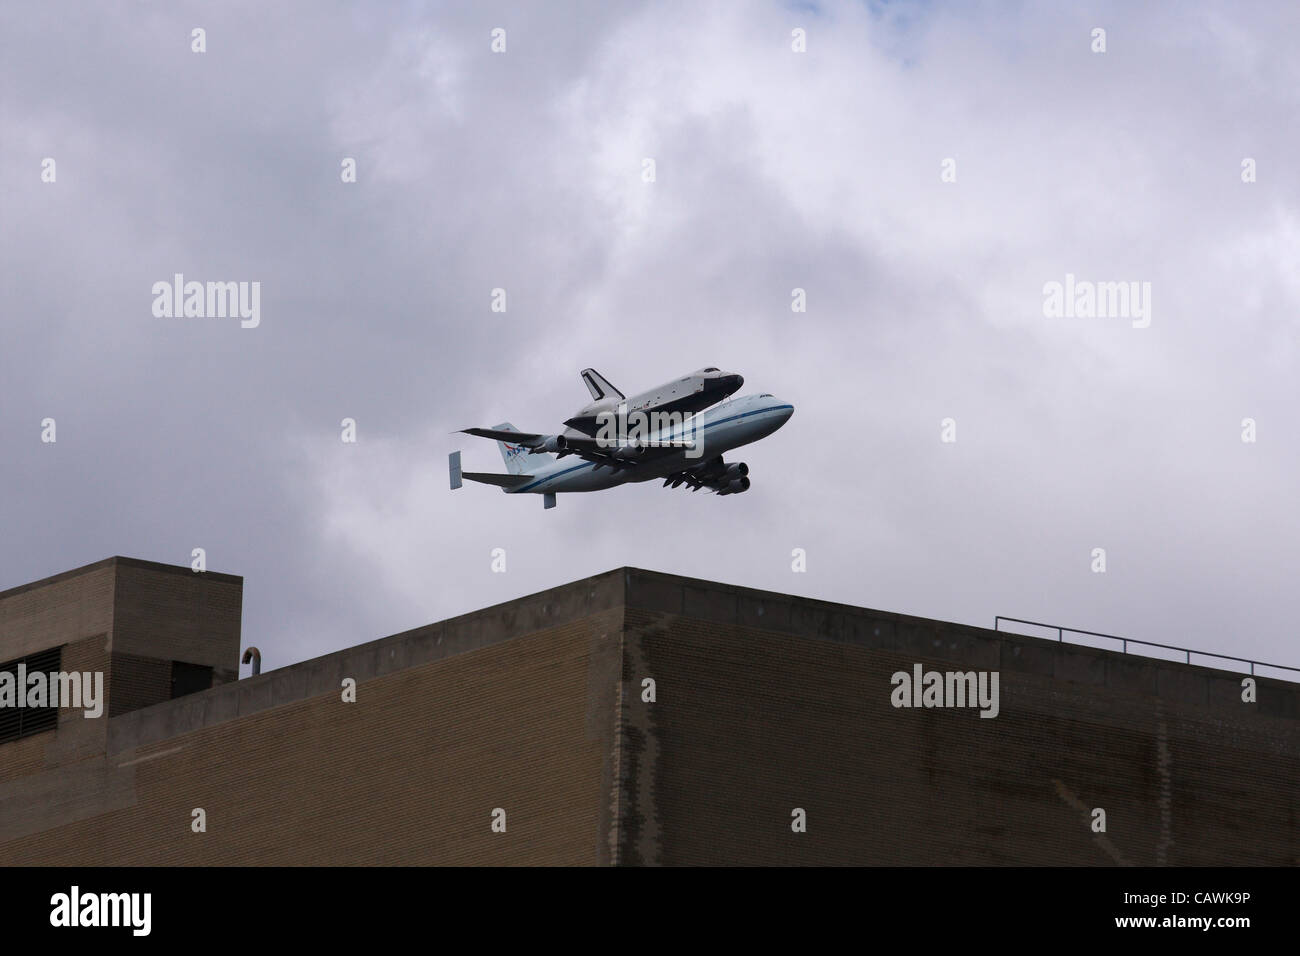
(592, 464)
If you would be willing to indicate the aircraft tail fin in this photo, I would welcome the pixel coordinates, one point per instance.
(517, 458)
(599, 386)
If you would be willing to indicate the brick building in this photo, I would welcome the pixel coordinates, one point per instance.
(764, 704)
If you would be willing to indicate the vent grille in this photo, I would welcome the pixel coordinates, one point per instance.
(17, 722)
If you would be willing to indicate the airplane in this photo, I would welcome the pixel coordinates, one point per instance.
(685, 450)
(680, 397)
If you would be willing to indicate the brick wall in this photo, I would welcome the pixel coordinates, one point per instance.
(767, 703)
(764, 703)
(64, 608)
(409, 774)
(173, 614)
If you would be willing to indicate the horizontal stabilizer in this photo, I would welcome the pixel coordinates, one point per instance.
(501, 481)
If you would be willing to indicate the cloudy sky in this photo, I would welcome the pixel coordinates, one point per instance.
(774, 170)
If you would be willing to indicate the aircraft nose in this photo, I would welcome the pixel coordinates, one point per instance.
(733, 382)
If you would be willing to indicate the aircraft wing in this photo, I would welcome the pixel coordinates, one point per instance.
(587, 448)
(591, 449)
(514, 438)
(590, 425)
(593, 452)
(602, 447)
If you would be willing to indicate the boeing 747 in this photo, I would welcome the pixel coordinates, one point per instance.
(666, 438)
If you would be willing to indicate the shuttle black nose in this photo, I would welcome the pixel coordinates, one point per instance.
(732, 382)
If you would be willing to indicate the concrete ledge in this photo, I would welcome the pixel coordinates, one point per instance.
(771, 615)
(708, 604)
(919, 639)
(1080, 665)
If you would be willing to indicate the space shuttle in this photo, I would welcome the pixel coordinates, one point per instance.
(696, 392)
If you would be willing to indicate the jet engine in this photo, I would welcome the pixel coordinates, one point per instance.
(736, 486)
(551, 443)
(634, 450)
(711, 470)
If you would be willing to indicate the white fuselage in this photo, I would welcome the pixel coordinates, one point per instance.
(693, 393)
(716, 431)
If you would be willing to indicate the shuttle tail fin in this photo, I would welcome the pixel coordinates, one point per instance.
(599, 386)
(517, 458)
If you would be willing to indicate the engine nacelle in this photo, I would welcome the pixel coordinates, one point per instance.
(552, 444)
(737, 485)
(629, 451)
(737, 470)
(710, 471)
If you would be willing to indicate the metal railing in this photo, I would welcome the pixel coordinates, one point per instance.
(1126, 641)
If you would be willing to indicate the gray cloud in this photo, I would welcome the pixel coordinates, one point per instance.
(775, 170)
